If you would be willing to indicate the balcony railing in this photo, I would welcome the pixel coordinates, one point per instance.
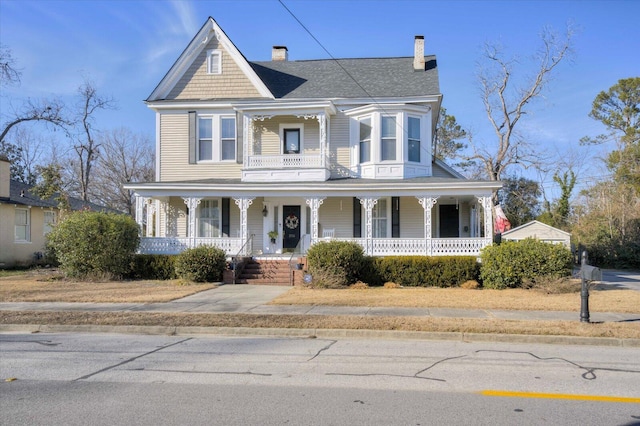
(285, 161)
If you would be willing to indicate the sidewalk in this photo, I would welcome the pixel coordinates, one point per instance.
(252, 299)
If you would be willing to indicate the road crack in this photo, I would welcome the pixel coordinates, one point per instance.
(131, 359)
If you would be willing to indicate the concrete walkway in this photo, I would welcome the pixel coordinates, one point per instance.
(252, 299)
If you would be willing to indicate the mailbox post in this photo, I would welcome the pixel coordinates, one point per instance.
(588, 273)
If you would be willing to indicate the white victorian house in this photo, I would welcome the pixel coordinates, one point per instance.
(308, 150)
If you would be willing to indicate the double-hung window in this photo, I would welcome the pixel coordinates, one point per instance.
(388, 139)
(209, 219)
(414, 139)
(365, 140)
(380, 219)
(216, 138)
(23, 225)
(205, 139)
(228, 138)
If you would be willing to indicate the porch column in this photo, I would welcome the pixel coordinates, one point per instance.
(244, 203)
(192, 204)
(368, 203)
(314, 204)
(487, 208)
(322, 121)
(151, 209)
(140, 202)
(427, 204)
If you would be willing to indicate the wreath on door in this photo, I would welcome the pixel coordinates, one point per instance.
(292, 221)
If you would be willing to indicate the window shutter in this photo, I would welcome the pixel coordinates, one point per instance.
(357, 218)
(226, 202)
(193, 146)
(395, 217)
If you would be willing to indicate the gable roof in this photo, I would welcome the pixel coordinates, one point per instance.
(314, 79)
(348, 78)
(193, 49)
(537, 225)
(21, 194)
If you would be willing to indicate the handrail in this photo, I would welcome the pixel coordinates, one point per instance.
(295, 249)
(235, 258)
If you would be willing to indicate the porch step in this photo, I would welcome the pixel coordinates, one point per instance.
(267, 272)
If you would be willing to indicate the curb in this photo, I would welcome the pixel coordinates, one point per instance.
(323, 334)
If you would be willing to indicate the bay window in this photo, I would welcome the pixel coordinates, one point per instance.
(413, 135)
(365, 140)
(388, 139)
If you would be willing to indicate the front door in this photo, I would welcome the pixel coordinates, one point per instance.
(449, 222)
(290, 227)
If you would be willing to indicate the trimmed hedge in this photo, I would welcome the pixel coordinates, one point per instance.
(94, 244)
(424, 271)
(154, 267)
(201, 264)
(508, 264)
(335, 263)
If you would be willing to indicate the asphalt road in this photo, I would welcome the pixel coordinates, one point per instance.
(80, 379)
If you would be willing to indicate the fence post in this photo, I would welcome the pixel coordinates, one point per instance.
(584, 293)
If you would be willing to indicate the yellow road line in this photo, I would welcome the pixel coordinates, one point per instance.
(559, 396)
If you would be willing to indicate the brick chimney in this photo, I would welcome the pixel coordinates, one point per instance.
(279, 53)
(418, 53)
(5, 176)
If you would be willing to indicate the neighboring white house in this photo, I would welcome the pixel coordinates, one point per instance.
(540, 231)
(310, 149)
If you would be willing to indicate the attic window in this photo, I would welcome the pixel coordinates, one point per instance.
(214, 62)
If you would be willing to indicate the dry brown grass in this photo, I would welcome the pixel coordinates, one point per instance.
(623, 301)
(311, 322)
(52, 288)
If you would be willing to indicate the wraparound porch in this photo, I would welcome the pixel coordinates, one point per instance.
(372, 247)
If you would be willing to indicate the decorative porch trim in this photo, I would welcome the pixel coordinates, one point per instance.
(140, 203)
(487, 207)
(192, 204)
(314, 204)
(368, 203)
(243, 204)
(427, 204)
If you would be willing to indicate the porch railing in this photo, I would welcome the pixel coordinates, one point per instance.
(175, 245)
(419, 246)
(285, 161)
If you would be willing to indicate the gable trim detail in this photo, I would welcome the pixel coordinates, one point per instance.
(195, 47)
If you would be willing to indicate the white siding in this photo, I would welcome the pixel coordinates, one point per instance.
(411, 218)
(339, 152)
(333, 214)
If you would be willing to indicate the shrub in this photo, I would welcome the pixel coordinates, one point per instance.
(94, 244)
(154, 267)
(508, 264)
(201, 264)
(335, 263)
(412, 271)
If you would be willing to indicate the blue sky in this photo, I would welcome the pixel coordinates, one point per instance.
(126, 47)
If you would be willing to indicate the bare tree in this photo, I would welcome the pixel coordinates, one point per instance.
(9, 73)
(46, 110)
(86, 146)
(124, 157)
(506, 102)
